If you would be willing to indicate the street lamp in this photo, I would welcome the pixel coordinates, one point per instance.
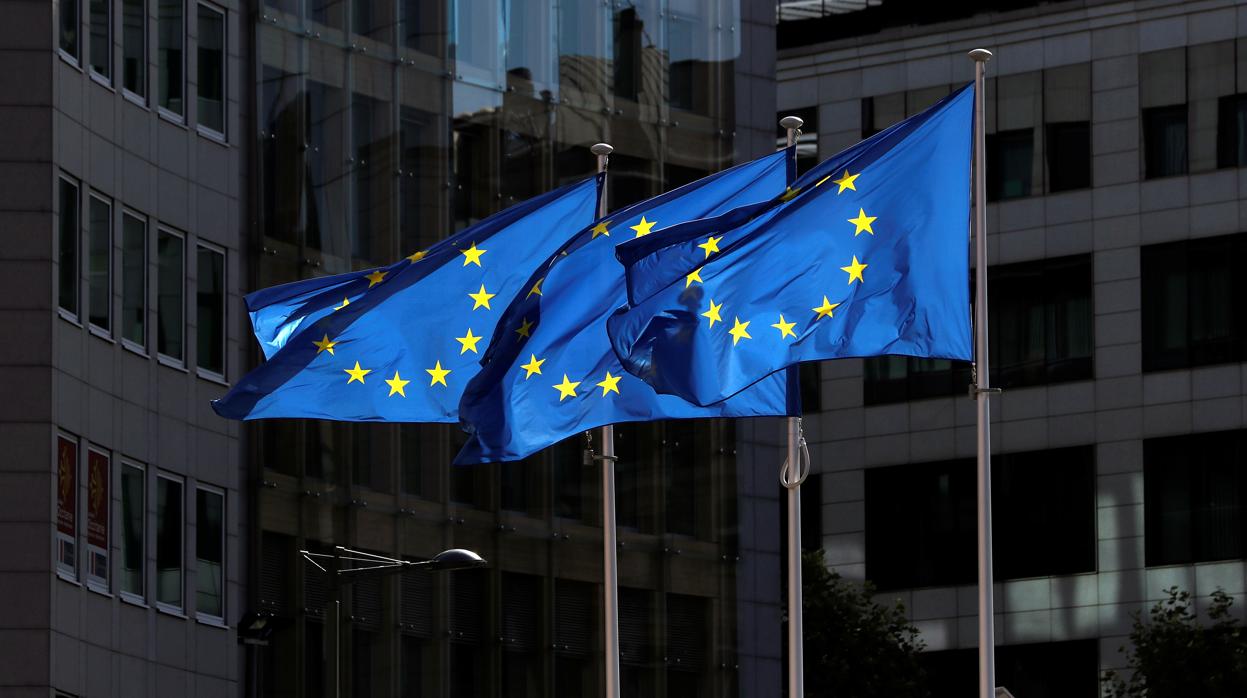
(345, 566)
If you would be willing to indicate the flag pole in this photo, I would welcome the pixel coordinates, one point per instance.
(610, 565)
(791, 476)
(983, 391)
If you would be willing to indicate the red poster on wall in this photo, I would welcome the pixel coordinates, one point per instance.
(66, 486)
(97, 499)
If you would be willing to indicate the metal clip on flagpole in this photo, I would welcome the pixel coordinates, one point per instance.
(791, 475)
(983, 392)
(610, 565)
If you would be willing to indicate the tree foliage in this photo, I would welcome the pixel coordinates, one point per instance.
(1174, 656)
(854, 646)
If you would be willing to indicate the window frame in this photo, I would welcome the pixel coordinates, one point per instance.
(222, 135)
(200, 370)
(75, 58)
(127, 595)
(145, 271)
(164, 358)
(161, 109)
(104, 79)
(67, 543)
(139, 98)
(94, 581)
(71, 314)
(180, 609)
(203, 616)
(99, 330)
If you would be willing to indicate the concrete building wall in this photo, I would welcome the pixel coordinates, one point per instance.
(1122, 405)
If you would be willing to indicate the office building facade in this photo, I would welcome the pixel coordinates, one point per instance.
(1115, 143)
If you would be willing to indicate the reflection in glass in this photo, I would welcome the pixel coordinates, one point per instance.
(170, 290)
(325, 196)
(67, 10)
(210, 553)
(530, 60)
(169, 542)
(281, 152)
(134, 46)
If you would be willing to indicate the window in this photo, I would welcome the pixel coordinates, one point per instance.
(67, 506)
(1232, 131)
(688, 644)
(1069, 155)
(101, 45)
(170, 290)
(902, 378)
(1026, 670)
(210, 315)
(921, 518)
(169, 541)
(1010, 157)
(134, 46)
(575, 621)
(67, 271)
(134, 280)
(211, 89)
(1194, 489)
(1164, 141)
(170, 39)
(810, 377)
(99, 263)
(99, 502)
(210, 553)
(68, 11)
(1191, 316)
(133, 530)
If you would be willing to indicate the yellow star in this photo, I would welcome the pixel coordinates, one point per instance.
(600, 229)
(468, 342)
(533, 366)
(826, 308)
(713, 313)
(376, 277)
(396, 385)
(417, 256)
(438, 374)
(325, 345)
(862, 222)
(739, 331)
(789, 194)
(609, 384)
(711, 244)
(785, 328)
(845, 182)
(694, 276)
(525, 326)
(482, 298)
(536, 287)
(567, 388)
(472, 255)
(357, 373)
(643, 228)
(855, 270)
(345, 302)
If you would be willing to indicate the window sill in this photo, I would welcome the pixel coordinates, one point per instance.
(101, 80)
(172, 117)
(211, 622)
(101, 333)
(170, 611)
(66, 577)
(135, 99)
(73, 62)
(171, 362)
(214, 136)
(211, 377)
(69, 317)
(134, 348)
(97, 588)
(135, 601)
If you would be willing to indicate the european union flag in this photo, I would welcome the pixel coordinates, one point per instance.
(399, 343)
(865, 255)
(550, 373)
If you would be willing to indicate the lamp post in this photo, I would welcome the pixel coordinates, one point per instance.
(370, 566)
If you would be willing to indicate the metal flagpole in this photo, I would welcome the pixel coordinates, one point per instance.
(610, 564)
(791, 476)
(983, 391)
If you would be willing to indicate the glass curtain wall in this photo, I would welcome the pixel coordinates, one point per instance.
(382, 127)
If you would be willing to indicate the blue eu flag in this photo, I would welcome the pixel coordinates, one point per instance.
(550, 372)
(865, 255)
(399, 343)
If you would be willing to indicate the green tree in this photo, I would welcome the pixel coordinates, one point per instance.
(1173, 656)
(854, 646)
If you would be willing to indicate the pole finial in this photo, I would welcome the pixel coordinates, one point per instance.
(601, 149)
(981, 55)
(790, 122)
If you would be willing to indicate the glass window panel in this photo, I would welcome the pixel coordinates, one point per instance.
(524, 147)
(475, 170)
(421, 177)
(67, 505)
(477, 39)
(133, 530)
(134, 279)
(282, 181)
(134, 46)
(422, 26)
(169, 543)
(210, 553)
(330, 13)
(67, 260)
(373, 139)
(101, 45)
(211, 87)
(170, 290)
(210, 310)
(530, 45)
(99, 263)
(1010, 158)
(1194, 490)
(1232, 131)
(325, 205)
(1069, 155)
(1210, 77)
(170, 40)
(67, 10)
(584, 46)
(1164, 141)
